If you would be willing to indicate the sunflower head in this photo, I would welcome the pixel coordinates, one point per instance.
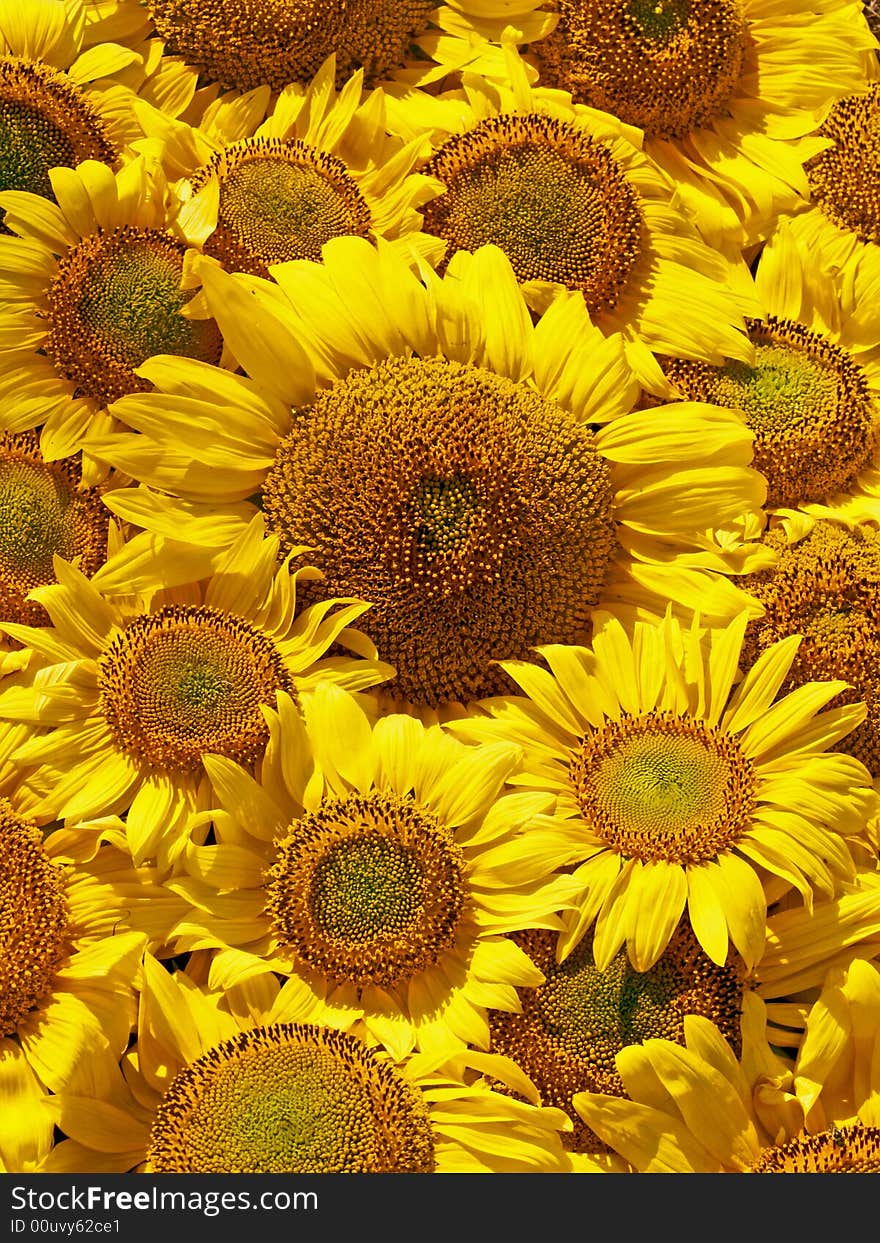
(667, 66)
(844, 178)
(291, 1098)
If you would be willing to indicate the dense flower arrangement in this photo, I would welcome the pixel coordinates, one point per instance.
(439, 586)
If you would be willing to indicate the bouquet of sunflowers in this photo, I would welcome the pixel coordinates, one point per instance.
(439, 586)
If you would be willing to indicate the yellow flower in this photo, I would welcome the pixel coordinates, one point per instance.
(238, 1082)
(730, 93)
(677, 790)
(575, 203)
(286, 41)
(320, 165)
(67, 969)
(435, 450)
(379, 867)
(91, 287)
(132, 691)
(811, 397)
(697, 1110)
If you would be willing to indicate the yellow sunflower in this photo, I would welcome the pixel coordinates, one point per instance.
(242, 1082)
(730, 93)
(697, 1110)
(575, 203)
(811, 395)
(436, 451)
(242, 47)
(839, 218)
(379, 868)
(320, 165)
(67, 968)
(92, 287)
(676, 791)
(132, 691)
(66, 96)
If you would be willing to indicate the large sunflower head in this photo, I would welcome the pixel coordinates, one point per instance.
(482, 481)
(681, 792)
(371, 863)
(162, 683)
(95, 287)
(217, 1085)
(574, 203)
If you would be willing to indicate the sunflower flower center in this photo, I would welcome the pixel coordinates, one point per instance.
(662, 787)
(552, 198)
(369, 890)
(840, 1150)
(291, 1099)
(667, 66)
(280, 201)
(46, 121)
(44, 511)
(115, 302)
(844, 179)
(827, 589)
(34, 917)
(807, 402)
(574, 1024)
(186, 681)
(284, 41)
(473, 513)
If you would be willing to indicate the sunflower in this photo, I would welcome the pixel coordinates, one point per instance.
(66, 97)
(570, 1027)
(242, 1082)
(67, 968)
(574, 203)
(285, 41)
(132, 691)
(811, 395)
(321, 165)
(839, 219)
(379, 868)
(676, 791)
(92, 288)
(435, 451)
(729, 93)
(697, 1110)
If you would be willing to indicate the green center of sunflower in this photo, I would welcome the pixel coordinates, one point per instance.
(280, 201)
(807, 402)
(46, 121)
(116, 301)
(573, 1025)
(667, 66)
(282, 41)
(663, 787)
(185, 681)
(840, 1150)
(291, 1099)
(34, 917)
(473, 513)
(552, 198)
(369, 890)
(659, 19)
(844, 178)
(44, 511)
(827, 589)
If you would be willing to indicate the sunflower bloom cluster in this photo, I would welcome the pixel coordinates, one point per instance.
(439, 572)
